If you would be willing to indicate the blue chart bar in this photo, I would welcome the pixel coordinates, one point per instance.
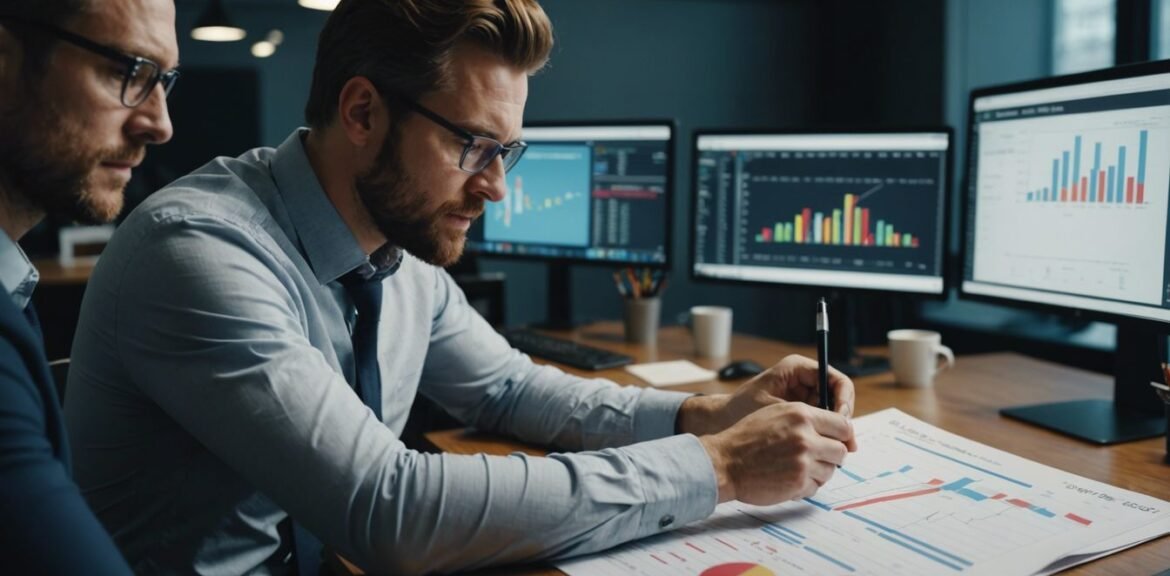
(830, 559)
(851, 475)
(911, 543)
(1064, 177)
(1142, 158)
(1029, 196)
(1120, 173)
(1096, 169)
(967, 464)
(820, 505)
(1055, 174)
(1109, 179)
(1077, 166)
(773, 532)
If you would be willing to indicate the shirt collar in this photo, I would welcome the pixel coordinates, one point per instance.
(17, 275)
(328, 245)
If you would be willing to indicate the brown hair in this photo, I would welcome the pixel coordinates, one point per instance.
(407, 45)
(37, 46)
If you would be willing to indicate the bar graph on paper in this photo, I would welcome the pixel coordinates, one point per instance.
(1076, 203)
(912, 500)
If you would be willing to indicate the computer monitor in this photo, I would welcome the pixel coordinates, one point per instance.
(835, 211)
(584, 192)
(1066, 210)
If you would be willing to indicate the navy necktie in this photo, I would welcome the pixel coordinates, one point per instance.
(367, 298)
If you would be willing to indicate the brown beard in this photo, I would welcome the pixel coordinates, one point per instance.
(45, 165)
(399, 209)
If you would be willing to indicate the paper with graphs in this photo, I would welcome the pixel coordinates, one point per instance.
(913, 500)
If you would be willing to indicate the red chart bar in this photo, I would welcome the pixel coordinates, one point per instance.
(1064, 194)
(1100, 185)
(1084, 189)
(889, 498)
(767, 234)
(1141, 195)
(1129, 190)
(1074, 190)
(1020, 503)
(806, 220)
(1078, 519)
(865, 227)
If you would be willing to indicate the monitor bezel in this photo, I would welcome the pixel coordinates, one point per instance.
(1114, 73)
(671, 160)
(947, 193)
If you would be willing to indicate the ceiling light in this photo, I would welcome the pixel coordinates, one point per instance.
(214, 26)
(263, 49)
(319, 4)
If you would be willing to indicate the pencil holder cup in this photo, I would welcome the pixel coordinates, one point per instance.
(641, 319)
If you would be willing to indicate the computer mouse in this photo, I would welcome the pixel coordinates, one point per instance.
(739, 369)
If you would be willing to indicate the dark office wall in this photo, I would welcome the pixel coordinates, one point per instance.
(283, 78)
(712, 63)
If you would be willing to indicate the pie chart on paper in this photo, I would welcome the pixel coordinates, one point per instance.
(738, 569)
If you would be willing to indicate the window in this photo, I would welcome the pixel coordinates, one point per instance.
(1161, 32)
(1084, 35)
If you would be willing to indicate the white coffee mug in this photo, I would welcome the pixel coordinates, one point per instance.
(914, 356)
(711, 327)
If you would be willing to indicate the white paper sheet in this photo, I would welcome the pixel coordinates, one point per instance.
(670, 373)
(913, 500)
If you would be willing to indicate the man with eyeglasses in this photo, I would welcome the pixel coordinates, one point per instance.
(82, 93)
(256, 332)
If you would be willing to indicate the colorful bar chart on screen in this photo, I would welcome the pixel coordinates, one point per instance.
(848, 226)
(1117, 178)
(914, 500)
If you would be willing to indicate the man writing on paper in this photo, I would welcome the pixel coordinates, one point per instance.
(83, 89)
(255, 334)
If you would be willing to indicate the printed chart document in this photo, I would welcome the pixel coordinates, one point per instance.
(913, 500)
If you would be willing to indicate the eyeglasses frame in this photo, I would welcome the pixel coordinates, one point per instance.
(504, 151)
(132, 63)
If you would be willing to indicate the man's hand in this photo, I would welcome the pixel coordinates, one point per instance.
(793, 379)
(782, 452)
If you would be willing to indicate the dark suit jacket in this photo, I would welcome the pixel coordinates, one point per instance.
(45, 525)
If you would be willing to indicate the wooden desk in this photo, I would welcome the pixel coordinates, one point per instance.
(964, 400)
(53, 273)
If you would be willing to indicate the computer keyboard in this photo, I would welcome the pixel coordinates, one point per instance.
(564, 351)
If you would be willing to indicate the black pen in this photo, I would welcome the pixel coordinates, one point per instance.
(823, 352)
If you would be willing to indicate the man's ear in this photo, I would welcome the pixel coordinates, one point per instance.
(360, 110)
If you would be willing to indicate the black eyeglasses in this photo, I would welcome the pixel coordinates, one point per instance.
(140, 76)
(478, 151)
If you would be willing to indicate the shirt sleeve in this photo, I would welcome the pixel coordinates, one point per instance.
(474, 373)
(45, 525)
(210, 327)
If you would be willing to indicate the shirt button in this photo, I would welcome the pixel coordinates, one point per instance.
(665, 521)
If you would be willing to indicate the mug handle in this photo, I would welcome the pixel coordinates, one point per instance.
(947, 354)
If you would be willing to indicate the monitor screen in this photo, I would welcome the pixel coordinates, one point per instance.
(1067, 193)
(592, 193)
(852, 210)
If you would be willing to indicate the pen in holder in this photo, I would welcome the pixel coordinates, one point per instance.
(642, 306)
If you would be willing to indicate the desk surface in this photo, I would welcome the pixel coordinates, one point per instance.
(964, 400)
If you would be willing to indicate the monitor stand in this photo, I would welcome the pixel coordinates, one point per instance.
(560, 297)
(842, 338)
(1135, 412)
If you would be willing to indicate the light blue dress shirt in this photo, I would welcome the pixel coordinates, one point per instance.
(18, 277)
(209, 396)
